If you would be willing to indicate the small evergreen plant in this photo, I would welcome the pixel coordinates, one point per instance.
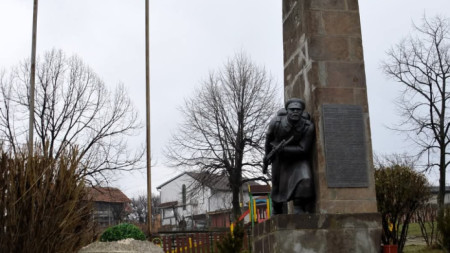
(122, 231)
(232, 243)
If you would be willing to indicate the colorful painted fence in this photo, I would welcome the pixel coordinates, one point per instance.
(205, 242)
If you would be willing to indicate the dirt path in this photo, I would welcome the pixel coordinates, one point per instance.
(415, 240)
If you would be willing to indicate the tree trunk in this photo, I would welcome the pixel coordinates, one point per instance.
(441, 194)
(235, 184)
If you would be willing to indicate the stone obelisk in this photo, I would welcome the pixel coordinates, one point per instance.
(324, 65)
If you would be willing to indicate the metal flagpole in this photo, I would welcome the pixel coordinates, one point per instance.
(147, 93)
(32, 79)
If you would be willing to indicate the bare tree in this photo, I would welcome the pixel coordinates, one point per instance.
(224, 124)
(421, 63)
(73, 108)
(119, 212)
(139, 211)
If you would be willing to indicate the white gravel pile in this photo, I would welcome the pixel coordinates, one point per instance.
(123, 246)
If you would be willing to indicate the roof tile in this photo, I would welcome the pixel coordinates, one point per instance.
(107, 194)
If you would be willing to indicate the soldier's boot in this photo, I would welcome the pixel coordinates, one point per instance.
(303, 205)
(299, 207)
(277, 208)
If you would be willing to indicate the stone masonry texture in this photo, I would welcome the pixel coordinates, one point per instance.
(323, 64)
(317, 233)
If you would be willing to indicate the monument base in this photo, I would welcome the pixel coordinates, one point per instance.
(318, 233)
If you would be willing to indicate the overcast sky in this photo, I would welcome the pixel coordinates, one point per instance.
(189, 38)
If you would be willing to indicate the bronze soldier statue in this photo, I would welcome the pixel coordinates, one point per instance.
(288, 143)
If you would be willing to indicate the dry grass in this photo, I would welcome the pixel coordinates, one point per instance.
(44, 205)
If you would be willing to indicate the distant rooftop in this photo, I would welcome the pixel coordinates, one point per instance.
(214, 181)
(107, 194)
(260, 189)
(168, 204)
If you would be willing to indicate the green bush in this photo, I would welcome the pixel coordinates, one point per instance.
(400, 191)
(122, 231)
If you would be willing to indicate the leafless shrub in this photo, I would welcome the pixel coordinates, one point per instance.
(44, 204)
(427, 219)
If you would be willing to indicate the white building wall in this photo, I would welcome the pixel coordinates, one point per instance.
(433, 199)
(172, 190)
(246, 198)
(196, 202)
(220, 201)
(201, 202)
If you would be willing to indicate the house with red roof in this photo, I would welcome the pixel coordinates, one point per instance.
(111, 205)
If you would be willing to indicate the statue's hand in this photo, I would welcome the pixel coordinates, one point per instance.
(265, 165)
(274, 144)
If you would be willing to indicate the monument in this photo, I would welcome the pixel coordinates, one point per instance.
(324, 65)
(288, 145)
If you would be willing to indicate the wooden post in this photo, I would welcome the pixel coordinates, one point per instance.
(32, 79)
(147, 96)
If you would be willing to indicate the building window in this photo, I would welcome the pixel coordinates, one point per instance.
(168, 213)
(183, 194)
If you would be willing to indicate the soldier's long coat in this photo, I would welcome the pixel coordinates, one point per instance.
(291, 167)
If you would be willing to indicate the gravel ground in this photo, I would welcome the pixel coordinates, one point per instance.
(127, 245)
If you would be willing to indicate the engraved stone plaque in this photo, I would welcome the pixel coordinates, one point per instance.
(345, 149)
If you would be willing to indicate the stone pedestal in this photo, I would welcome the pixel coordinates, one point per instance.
(316, 233)
(324, 65)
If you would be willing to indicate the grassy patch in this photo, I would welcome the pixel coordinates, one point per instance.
(420, 248)
(414, 229)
